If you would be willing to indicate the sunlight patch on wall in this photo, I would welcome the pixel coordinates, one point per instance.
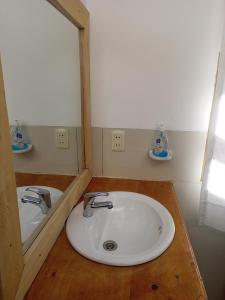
(220, 125)
(216, 179)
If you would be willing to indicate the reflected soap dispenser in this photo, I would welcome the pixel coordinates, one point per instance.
(18, 135)
(18, 139)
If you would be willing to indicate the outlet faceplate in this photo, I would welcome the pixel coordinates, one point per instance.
(118, 140)
(62, 138)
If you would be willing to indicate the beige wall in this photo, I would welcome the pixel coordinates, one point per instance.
(45, 158)
(186, 165)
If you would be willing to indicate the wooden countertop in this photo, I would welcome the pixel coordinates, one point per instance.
(66, 275)
(60, 182)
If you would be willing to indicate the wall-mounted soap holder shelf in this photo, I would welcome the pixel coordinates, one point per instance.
(168, 157)
(17, 150)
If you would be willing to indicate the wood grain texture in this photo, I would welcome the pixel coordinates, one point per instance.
(60, 182)
(74, 11)
(66, 275)
(85, 93)
(10, 240)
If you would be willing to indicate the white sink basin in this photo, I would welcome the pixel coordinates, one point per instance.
(141, 227)
(30, 214)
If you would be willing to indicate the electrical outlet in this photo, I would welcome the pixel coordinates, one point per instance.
(62, 138)
(118, 140)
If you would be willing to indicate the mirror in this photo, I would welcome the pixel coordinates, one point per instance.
(41, 69)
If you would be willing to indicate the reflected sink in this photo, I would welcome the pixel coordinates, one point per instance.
(30, 214)
(136, 230)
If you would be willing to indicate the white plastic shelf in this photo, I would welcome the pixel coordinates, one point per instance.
(152, 156)
(23, 150)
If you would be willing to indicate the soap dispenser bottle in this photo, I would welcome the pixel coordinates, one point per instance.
(19, 139)
(160, 146)
(17, 135)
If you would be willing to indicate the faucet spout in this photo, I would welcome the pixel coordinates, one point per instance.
(43, 199)
(36, 201)
(43, 193)
(90, 204)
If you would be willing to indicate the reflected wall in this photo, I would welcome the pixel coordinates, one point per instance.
(41, 68)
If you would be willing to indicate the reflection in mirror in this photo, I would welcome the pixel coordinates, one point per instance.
(41, 69)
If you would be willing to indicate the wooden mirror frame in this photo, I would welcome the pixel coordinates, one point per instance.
(17, 271)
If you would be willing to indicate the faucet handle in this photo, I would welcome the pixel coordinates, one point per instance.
(37, 190)
(30, 199)
(92, 195)
(45, 194)
(96, 194)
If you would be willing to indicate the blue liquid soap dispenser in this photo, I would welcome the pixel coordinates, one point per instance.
(160, 146)
(19, 145)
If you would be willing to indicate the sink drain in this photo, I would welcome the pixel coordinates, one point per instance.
(110, 245)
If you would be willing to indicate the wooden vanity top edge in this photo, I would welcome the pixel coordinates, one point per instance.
(188, 239)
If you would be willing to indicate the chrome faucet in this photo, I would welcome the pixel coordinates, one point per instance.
(43, 200)
(90, 204)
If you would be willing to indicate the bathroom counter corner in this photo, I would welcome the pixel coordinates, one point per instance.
(172, 276)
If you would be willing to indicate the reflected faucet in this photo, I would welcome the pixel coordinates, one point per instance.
(43, 200)
(90, 204)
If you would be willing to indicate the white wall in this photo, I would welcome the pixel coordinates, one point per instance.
(154, 61)
(40, 56)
